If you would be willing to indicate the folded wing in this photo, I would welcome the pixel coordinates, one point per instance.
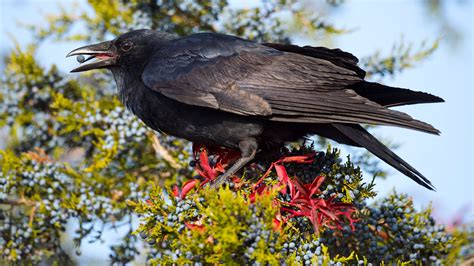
(234, 75)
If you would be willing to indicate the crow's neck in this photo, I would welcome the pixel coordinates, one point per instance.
(148, 105)
(127, 84)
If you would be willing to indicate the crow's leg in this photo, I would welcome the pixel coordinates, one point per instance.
(248, 149)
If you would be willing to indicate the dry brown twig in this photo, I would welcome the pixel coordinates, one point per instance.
(163, 152)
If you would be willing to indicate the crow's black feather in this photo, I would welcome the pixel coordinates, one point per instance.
(222, 90)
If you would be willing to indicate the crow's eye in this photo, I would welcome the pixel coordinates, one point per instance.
(126, 46)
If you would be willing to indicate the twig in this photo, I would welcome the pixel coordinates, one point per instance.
(32, 215)
(161, 151)
(21, 201)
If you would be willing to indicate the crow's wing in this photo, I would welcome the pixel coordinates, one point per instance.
(202, 70)
(245, 78)
(384, 95)
(335, 56)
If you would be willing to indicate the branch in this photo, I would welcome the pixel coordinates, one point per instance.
(17, 202)
(403, 56)
(163, 152)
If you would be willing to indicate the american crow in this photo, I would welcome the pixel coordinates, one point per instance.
(222, 90)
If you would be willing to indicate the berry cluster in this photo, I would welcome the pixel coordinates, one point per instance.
(388, 231)
(33, 235)
(10, 100)
(125, 252)
(38, 133)
(343, 180)
(468, 249)
(19, 242)
(256, 235)
(25, 100)
(391, 230)
(305, 252)
(120, 127)
(171, 218)
(31, 226)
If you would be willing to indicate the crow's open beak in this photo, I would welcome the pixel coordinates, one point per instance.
(104, 54)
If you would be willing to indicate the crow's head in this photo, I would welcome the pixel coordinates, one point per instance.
(130, 51)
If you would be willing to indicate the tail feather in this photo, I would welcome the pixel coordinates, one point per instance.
(392, 96)
(360, 136)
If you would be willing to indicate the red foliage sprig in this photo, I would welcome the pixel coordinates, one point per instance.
(187, 186)
(319, 211)
(223, 157)
(304, 200)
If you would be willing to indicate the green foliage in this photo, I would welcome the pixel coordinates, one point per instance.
(271, 22)
(110, 150)
(166, 222)
(401, 57)
(258, 228)
(74, 155)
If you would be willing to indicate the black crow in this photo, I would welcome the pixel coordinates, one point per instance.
(222, 90)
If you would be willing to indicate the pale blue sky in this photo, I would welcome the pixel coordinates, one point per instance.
(447, 160)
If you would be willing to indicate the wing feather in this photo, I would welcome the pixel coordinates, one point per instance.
(245, 78)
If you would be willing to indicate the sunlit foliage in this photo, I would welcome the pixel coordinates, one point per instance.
(75, 157)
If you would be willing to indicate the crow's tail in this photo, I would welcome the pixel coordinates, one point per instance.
(392, 96)
(364, 139)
